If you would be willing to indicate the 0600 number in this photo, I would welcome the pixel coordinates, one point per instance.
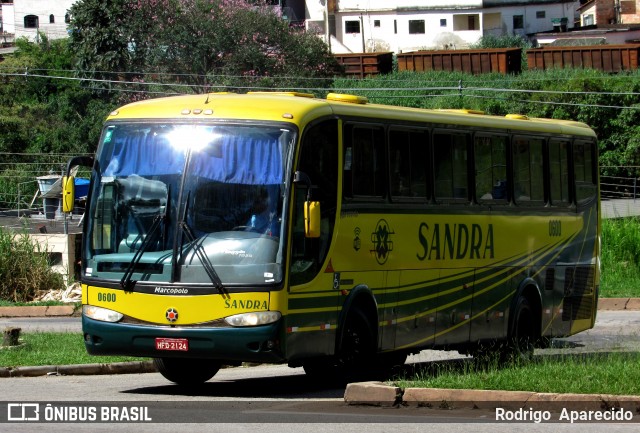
(106, 297)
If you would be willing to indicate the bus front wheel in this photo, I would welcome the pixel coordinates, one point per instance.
(357, 347)
(187, 372)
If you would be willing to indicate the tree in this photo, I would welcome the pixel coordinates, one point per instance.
(44, 112)
(226, 43)
(100, 36)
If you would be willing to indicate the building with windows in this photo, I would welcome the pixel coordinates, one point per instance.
(409, 25)
(607, 12)
(28, 18)
(611, 22)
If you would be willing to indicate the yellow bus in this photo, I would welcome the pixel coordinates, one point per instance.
(333, 234)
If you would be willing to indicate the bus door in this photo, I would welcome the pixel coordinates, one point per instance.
(314, 297)
(455, 301)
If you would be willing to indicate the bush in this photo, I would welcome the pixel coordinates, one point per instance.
(24, 269)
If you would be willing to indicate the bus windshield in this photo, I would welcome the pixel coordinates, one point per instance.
(196, 204)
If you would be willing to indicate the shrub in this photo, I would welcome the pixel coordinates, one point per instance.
(24, 268)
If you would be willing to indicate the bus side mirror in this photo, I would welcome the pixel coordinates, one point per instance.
(312, 219)
(68, 193)
(69, 182)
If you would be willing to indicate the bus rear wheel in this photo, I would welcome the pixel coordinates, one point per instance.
(187, 372)
(522, 338)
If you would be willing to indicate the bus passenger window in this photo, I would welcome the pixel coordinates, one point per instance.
(491, 168)
(365, 152)
(450, 166)
(528, 174)
(559, 172)
(583, 169)
(408, 161)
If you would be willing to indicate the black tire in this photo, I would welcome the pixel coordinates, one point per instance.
(523, 335)
(187, 372)
(390, 360)
(357, 351)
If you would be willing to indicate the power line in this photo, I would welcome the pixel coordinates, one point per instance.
(26, 74)
(115, 85)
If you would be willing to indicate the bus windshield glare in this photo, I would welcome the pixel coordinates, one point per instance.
(189, 203)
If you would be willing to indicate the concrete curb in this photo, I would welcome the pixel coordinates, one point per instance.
(37, 311)
(619, 304)
(379, 394)
(80, 369)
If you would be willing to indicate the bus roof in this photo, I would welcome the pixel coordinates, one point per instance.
(299, 108)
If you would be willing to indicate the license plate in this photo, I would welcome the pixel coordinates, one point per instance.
(181, 344)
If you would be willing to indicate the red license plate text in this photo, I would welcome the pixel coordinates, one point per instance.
(181, 344)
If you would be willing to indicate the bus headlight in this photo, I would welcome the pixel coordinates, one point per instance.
(102, 314)
(256, 318)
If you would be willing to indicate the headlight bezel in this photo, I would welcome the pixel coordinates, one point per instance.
(253, 318)
(101, 314)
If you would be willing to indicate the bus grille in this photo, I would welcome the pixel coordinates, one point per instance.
(578, 290)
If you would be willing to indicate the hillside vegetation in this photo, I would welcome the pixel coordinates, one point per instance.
(50, 110)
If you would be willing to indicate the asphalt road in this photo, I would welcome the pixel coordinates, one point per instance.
(270, 397)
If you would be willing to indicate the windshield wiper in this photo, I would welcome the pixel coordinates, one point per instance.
(198, 249)
(126, 282)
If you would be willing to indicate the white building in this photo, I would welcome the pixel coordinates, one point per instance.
(408, 25)
(25, 18)
(358, 25)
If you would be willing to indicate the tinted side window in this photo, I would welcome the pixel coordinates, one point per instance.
(364, 162)
(490, 154)
(583, 163)
(408, 159)
(450, 166)
(528, 174)
(559, 172)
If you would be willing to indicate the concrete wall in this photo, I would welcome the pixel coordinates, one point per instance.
(44, 10)
(630, 12)
(62, 247)
(8, 26)
(444, 29)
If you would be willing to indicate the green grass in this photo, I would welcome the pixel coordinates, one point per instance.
(49, 348)
(5, 303)
(606, 373)
(620, 277)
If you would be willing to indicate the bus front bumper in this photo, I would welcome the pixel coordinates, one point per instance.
(241, 344)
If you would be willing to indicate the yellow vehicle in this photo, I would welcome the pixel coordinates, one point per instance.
(333, 234)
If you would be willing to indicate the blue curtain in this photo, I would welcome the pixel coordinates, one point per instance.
(243, 160)
(237, 159)
(144, 154)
